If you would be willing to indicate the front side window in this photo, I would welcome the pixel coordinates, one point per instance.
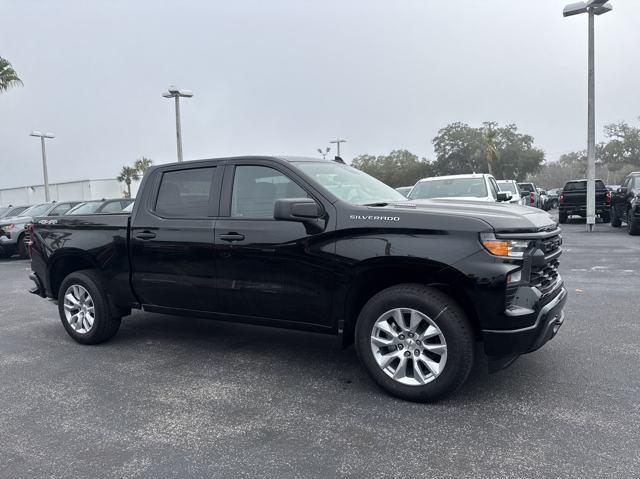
(185, 193)
(256, 189)
(450, 188)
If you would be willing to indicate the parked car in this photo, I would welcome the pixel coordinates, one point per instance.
(512, 187)
(544, 199)
(103, 206)
(9, 211)
(14, 236)
(477, 186)
(625, 204)
(314, 245)
(529, 190)
(554, 197)
(404, 190)
(573, 201)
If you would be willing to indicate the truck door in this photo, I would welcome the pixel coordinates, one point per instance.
(267, 268)
(171, 240)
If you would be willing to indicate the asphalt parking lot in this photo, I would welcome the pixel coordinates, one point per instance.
(175, 397)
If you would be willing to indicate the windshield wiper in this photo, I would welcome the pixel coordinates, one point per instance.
(380, 203)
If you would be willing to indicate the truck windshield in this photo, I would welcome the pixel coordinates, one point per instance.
(349, 184)
(85, 208)
(449, 188)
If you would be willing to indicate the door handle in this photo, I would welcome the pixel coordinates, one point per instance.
(232, 237)
(145, 235)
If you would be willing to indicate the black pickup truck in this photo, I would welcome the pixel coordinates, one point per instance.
(573, 201)
(625, 204)
(315, 245)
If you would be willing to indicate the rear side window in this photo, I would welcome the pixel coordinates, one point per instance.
(185, 193)
(256, 189)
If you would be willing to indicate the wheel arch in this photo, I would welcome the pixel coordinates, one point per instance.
(374, 276)
(66, 262)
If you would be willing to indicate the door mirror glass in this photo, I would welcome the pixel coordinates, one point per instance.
(504, 196)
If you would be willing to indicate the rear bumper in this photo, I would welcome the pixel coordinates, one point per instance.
(514, 342)
(582, 210)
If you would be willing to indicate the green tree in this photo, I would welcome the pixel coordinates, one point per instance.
(143, 164)
(398, 168)
(8, 76)
(503, 151)
(127, 175)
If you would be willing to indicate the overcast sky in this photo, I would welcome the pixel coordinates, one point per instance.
(285, 76)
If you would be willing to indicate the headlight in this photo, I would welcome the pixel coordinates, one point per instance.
(503, 247)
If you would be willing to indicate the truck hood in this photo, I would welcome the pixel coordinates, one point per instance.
(15, 220)
(501, 216)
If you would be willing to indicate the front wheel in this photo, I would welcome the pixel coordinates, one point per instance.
(23, 248)
(84, 308)
(606, 217)
(633, 225)
(415, 342)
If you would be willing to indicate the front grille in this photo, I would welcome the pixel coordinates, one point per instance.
(545, 277)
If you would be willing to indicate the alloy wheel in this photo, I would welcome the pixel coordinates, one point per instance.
(79, 309)
(408, 346)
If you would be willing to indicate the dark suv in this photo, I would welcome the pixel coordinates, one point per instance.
(625, 204)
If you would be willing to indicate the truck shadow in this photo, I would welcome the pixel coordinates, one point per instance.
(284, 354)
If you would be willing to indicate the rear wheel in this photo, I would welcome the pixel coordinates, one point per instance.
(615, 219)
(415, 342)
(562, 217)
(84, 308)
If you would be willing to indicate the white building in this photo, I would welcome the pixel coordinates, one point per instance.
(82, 190)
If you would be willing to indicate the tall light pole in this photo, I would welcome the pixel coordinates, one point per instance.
(42, 136)
(337, 142)
(592, 8)
(176, 93)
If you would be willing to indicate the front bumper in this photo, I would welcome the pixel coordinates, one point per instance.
(514, 342)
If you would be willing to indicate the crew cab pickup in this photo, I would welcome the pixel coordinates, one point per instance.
(315, 245)
(573, 201)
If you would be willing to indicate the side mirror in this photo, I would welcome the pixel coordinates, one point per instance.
(301, 210)
(504, 196)
(622, 190)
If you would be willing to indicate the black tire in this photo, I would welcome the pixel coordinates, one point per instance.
(606, 217)
(449, 318)
(615, 219)
(554, 204)
(4, 254)
(105, 323)
(23, 248)
(562, 217)
(633, 225)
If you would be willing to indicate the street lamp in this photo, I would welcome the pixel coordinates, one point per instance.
(337, 141)
(176, 93)
(324, 152)
(591, 7)
(42, 136)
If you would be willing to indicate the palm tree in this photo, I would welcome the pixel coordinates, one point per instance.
(143, 164)
(8, 76)
(127, 175)
(490, 150)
